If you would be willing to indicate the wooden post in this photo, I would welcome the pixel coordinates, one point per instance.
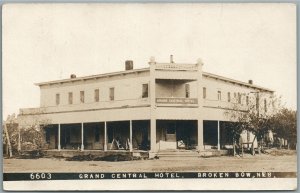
(153, 135)
(152, 89)
(200, 134)
(234, 147)
(8, 140)
(59, 145)
(105, 136)
(82, 137)
(242, 150)
(130, 135)
(219, 135)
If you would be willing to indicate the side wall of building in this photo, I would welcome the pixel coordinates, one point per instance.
(127, 87)
(214, 106)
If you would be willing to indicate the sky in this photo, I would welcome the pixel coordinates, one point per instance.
(44, 42)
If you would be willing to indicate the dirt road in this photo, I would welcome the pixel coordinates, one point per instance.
(284, 163)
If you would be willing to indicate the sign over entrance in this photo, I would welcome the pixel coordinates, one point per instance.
(177, 100)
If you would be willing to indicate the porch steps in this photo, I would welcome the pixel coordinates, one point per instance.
(213, 153)
(177, 155)
(188, 155)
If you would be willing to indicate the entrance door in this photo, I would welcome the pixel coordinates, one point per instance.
(171, 134)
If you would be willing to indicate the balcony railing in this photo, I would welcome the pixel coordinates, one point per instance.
(177, 101)
(179, 67)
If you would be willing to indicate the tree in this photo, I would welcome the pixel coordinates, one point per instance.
(284, 124)
(255, 116)
(27, 137)
(10, 135)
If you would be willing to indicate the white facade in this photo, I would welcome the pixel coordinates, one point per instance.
(163, 94)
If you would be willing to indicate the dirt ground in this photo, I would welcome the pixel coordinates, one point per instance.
(260, 163)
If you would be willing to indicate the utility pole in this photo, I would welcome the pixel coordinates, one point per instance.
(258, 115)
(8, 140)
(19, 139)
(257, 103)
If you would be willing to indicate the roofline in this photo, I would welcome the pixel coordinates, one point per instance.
(92, 76)
(235, 81)
(144, 70)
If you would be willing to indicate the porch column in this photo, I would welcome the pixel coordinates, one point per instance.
(153, 116)
(153, 135)
(219, 135)
(59, 146)
(200, 135)
(130, 135)
(82, 137)
(105, 136)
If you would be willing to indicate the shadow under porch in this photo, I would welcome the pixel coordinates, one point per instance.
(217, 135)
(104, 136)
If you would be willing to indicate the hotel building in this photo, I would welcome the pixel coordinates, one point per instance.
(167, 106)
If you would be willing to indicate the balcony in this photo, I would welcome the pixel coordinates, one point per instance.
(176, 67)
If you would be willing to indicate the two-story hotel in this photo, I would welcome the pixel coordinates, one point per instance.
(162, 107)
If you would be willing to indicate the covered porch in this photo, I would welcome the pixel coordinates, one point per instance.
(129, 135)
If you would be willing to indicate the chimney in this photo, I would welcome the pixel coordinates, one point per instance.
(250, 81)
(73, 76)
(171, 59)
(128, 65)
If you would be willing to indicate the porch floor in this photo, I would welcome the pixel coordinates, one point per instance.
(71, 152)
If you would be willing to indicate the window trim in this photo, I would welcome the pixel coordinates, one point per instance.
(228, 97)
(239, 98)
(57, 99)
(187, 89)
(146, 93)
(112, 93)
(96, 95)
(219, 95)
(204, 92)
(70, 98)
(81, 96)
(265, 105)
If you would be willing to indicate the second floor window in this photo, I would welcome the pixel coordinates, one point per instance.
(239, 98)
(112, 93)
(187, 91)
(70, 98)
(228, 95)
(204, 92)
(57, 99)
(265, 105)
(219, 96)
(247, 100)
(96, 95)
(145, 91)
(82, 96)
